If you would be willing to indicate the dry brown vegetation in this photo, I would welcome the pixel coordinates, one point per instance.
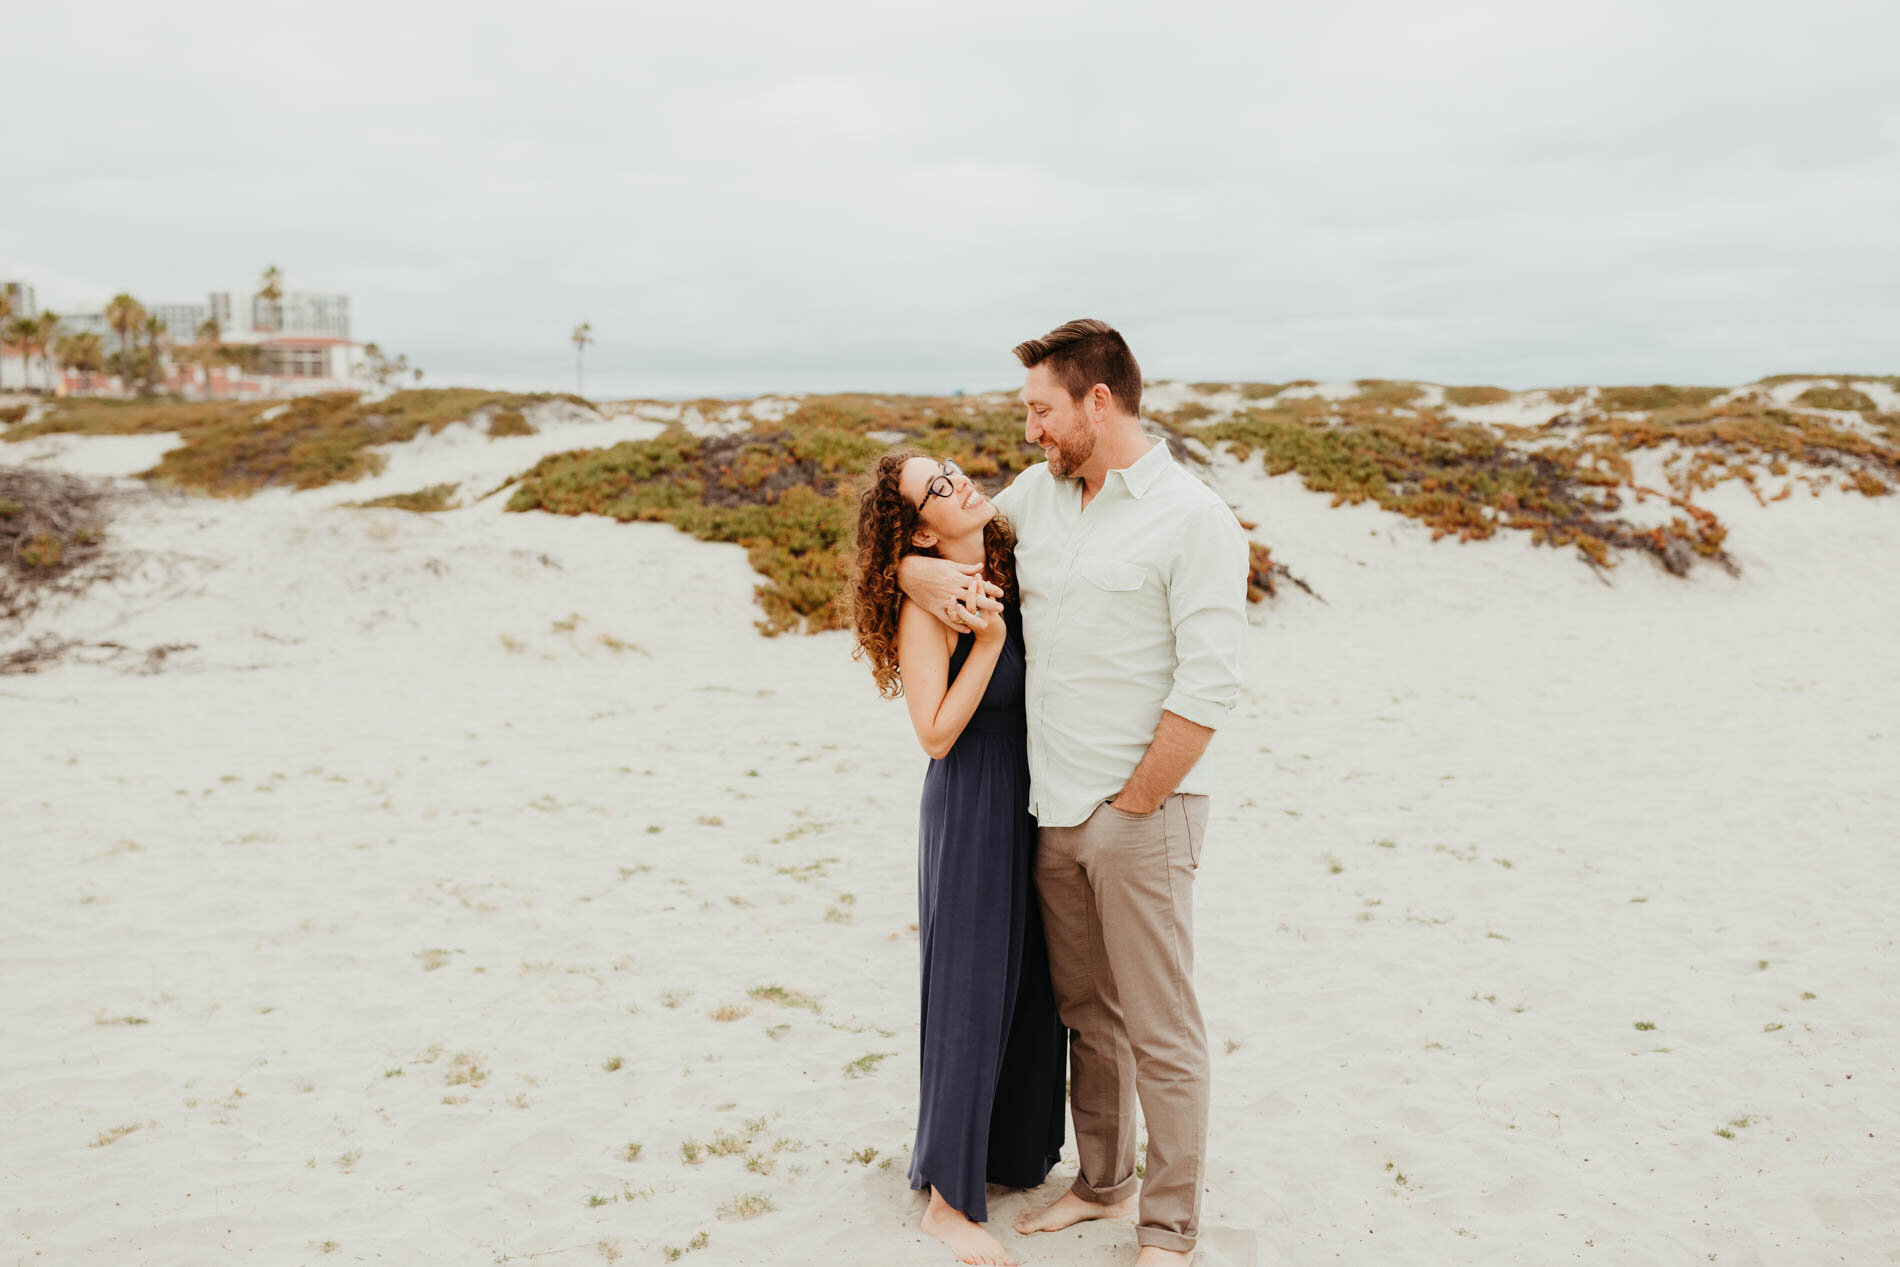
(233, 448)
(785, 489)
(1566, 480)
(52, 533)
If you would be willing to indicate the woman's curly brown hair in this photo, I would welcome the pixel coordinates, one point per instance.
(886, 521)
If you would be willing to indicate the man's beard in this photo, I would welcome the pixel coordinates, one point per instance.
(1069, 456)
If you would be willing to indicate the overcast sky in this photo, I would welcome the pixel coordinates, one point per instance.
(886, 196)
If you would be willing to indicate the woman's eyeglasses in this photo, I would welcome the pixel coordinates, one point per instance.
(940, 485)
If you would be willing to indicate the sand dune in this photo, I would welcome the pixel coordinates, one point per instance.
(482, 888)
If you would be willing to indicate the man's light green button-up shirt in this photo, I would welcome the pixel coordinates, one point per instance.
(1134, 605)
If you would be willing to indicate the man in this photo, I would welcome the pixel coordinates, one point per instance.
(1133, 578)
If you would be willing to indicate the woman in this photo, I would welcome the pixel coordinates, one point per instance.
(991, 1103)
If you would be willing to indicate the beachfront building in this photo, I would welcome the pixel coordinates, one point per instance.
(302, 339)
(248, 317)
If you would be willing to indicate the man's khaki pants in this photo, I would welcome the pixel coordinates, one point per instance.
(1117, 895)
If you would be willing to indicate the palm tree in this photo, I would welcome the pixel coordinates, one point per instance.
(83, 352)
(125, 315)
(582, 336)
(45, 330)
(204, 349)
(18, 332)
(270, 288)
(6, 324)
(154, 329)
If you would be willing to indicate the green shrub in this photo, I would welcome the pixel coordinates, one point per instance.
(784, 490)
(510, 422)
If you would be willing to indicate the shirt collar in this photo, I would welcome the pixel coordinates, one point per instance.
(1139, 476)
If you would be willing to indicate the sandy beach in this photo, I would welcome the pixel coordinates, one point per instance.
(482, 887)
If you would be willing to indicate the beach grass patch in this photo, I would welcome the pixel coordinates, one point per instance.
(749, 1205)
(726, 1144)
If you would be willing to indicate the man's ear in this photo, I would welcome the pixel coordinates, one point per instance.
(1101, 400)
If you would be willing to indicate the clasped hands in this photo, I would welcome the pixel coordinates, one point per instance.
(956, 593)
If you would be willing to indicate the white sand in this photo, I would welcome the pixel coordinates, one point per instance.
(1483, 813)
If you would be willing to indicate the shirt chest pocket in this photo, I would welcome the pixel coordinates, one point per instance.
(1115, 600)
(1113, 575)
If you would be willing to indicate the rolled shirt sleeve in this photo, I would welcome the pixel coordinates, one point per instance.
(1207, 604)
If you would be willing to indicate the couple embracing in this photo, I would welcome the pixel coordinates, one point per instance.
(1066, 652)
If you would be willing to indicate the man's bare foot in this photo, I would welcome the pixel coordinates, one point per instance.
(1068, 1210)
(1155, 1256)
(967, 1240)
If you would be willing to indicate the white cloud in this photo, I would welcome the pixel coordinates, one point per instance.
(755, 196)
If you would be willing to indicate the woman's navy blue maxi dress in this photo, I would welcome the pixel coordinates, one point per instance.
(994, 1051)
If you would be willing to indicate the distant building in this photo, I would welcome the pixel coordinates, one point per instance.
(244, 316)
(303, 339)
(181, 320)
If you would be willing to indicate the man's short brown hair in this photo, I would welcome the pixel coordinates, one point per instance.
(1085, 352)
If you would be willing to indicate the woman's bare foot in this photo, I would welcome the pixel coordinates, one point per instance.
(967, 1240)
(1069, 1210)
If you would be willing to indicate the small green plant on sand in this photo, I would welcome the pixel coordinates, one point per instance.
(782, 996)
(866, 1064)
(749, 1206)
